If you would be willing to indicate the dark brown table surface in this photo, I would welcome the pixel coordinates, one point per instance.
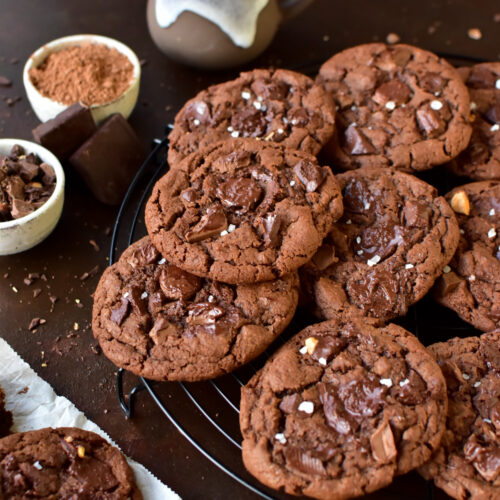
(65, 344)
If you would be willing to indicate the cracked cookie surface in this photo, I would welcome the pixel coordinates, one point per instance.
(471, 287)
(163, 323)
(64, 463)
(467, 465)
(481, 160)
(397, 105)
(385, 253)
(243, 211)
(273, 105)
(341, 409)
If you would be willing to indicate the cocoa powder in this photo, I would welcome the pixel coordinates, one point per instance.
(88, 73)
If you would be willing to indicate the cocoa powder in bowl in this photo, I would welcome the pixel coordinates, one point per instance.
(89, 73)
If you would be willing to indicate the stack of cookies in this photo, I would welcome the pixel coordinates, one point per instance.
(248, 216)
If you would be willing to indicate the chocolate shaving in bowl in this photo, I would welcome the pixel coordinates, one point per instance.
(26, 183)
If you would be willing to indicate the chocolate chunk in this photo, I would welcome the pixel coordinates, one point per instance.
(382, 443)
(161, 330)
(303, 462)
(274, 90)
(65, 133)
(356, 142)
(239, 192)
(119, 313)
(401, 56)
(21, 208)
(211, 224)
(432, 82)
(189, 197)
(417, 213)
(272, 226)
(28, 170)
(14, 186)
(485, 458)
(328, 347)
(414, 392)
(4, 81)
(198, 110)
(363, 398)
(109, 159)
(335, 413)
(493, 114)
(357, 196)
(143, 256)
(177, 284)
(290, 403)
(249, 122)
(430, 122)
(448, 283)
(204, 313)
(381, 239)
(49, 176)
(135, 297)
(309, 174)
(393, 90)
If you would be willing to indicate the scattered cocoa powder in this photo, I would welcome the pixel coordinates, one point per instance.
(88, 73)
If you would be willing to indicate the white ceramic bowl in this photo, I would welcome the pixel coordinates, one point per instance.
(24, 233)
(46, 108)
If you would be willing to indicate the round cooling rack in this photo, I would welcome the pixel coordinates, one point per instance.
(207, 413)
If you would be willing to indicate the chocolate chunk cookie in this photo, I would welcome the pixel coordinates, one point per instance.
(341, 409)
(481, 160)
(5, 417)
(64, 463)
(163, 323)
(394, 239)
(272, 105)
(470, 285)
(243, 211)
(467, 465)
(397, 105)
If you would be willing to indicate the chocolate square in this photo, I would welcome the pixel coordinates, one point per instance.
(67, 131)
(109, 159)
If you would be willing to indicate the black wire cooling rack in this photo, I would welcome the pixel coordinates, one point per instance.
(427, 320)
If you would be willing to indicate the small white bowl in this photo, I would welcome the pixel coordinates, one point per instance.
(21, 234)
(46, 108)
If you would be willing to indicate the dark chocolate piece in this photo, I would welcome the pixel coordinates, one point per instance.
(109, 159)
(67, 131)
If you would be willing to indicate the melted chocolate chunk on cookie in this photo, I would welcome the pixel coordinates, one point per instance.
(472, 286)
(311, 175)
(279, 106)
(239, 192)
(341, 393)
(161, 322)
(397, 106)
(384, 253)
(243, 211)
(176, 284)
(468, 465)
(212, 223)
